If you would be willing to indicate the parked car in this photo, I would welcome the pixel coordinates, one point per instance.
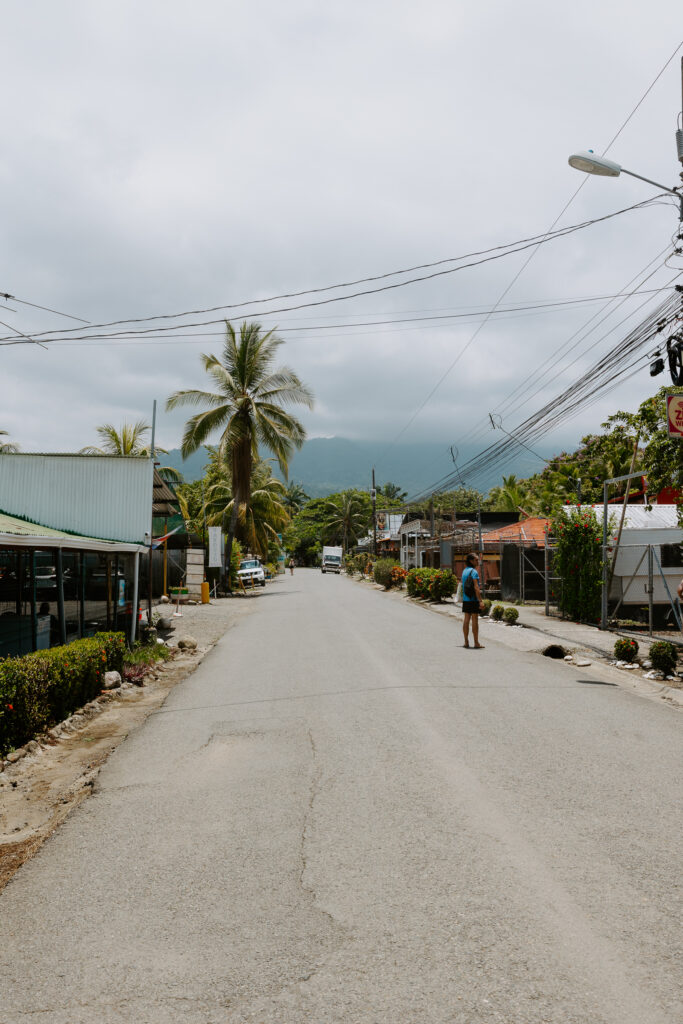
(251, 571)
(46, 577)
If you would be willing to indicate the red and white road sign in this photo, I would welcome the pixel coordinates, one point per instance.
(674, 409)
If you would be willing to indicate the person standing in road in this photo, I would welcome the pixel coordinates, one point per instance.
(291, 567)
(472, 602)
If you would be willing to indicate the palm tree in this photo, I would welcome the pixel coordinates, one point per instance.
(345, 518)
(126, 441)
(511, 495)
(265, 516)
(247, 406)
(129, 441)
(295, 498)
(6, 447)
(392, 492)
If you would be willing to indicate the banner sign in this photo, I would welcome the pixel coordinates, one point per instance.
(215, 548)
(674, 415)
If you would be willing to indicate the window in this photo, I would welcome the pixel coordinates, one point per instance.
(672, 556)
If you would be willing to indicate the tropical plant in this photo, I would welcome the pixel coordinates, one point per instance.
(294, 498)
(129, 440)
(248, 407)
(663, 656)
(347, 517)
(430, 584)
(398, 576)
(625, 649)
(383, 572)
(579, 563)
(265, 515)
(392, 493)
(7, 447)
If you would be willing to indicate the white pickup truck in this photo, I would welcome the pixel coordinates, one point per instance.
(332, 559)
(250, 572)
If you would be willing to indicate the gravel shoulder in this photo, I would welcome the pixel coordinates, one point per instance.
(42, 789)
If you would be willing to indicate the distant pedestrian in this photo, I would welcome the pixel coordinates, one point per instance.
(472, 602)
(291, 567)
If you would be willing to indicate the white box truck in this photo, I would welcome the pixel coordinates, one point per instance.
(332, 559)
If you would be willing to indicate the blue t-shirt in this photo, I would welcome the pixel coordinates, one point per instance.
(469, 577)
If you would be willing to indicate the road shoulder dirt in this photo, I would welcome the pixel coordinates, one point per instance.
(41, 790)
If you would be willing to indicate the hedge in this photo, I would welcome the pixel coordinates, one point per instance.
(430, 584)
(40, 689)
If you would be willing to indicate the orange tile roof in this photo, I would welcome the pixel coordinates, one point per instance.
(528, 530)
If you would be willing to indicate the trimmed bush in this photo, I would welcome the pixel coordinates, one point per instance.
(510, 615)
(40, 689)
(430, 584)
(382, 572)
(663, 656)
(497, 612)
(487, 602)
(625, 649)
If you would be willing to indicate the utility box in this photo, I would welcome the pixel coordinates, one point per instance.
(194, 573)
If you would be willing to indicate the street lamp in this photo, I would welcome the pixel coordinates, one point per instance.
(588, 162)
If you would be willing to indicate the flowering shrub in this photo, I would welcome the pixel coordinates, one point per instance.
(40, 689)
(625, 649)
(430, 584)
(663, 656)
(383, 572)
(578, 563)
(497, 612)
(398, 575)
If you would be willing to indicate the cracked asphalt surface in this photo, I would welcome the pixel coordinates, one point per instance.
(343, 816)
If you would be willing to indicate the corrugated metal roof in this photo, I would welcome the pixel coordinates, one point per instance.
(638, 517)
(15, 532)
(99, 496)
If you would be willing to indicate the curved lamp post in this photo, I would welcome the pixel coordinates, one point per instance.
(588, 162)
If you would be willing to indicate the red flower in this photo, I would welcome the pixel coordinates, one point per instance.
(10, 707)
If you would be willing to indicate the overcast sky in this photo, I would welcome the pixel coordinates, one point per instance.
(166, 156)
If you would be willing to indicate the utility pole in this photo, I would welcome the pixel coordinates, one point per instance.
(373, 495)
(151, 524)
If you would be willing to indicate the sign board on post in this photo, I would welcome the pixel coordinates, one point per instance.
(215, 548)
(674, 415)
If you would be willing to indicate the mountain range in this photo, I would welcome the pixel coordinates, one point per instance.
(325, 465)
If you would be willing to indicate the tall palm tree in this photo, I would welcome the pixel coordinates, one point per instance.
(129, 440)
(345, 518)
(6, 446)
(248, 406)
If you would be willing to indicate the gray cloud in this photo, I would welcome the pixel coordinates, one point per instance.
(159, 160)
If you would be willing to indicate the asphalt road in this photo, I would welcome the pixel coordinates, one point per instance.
(343, 816)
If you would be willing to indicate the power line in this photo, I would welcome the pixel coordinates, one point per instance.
(46, 309)
(517, 311)
(498, 253)
(535, 249)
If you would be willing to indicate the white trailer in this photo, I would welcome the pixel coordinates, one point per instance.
(657, 528)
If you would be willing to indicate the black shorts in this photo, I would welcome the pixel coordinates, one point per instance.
(470, 607)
